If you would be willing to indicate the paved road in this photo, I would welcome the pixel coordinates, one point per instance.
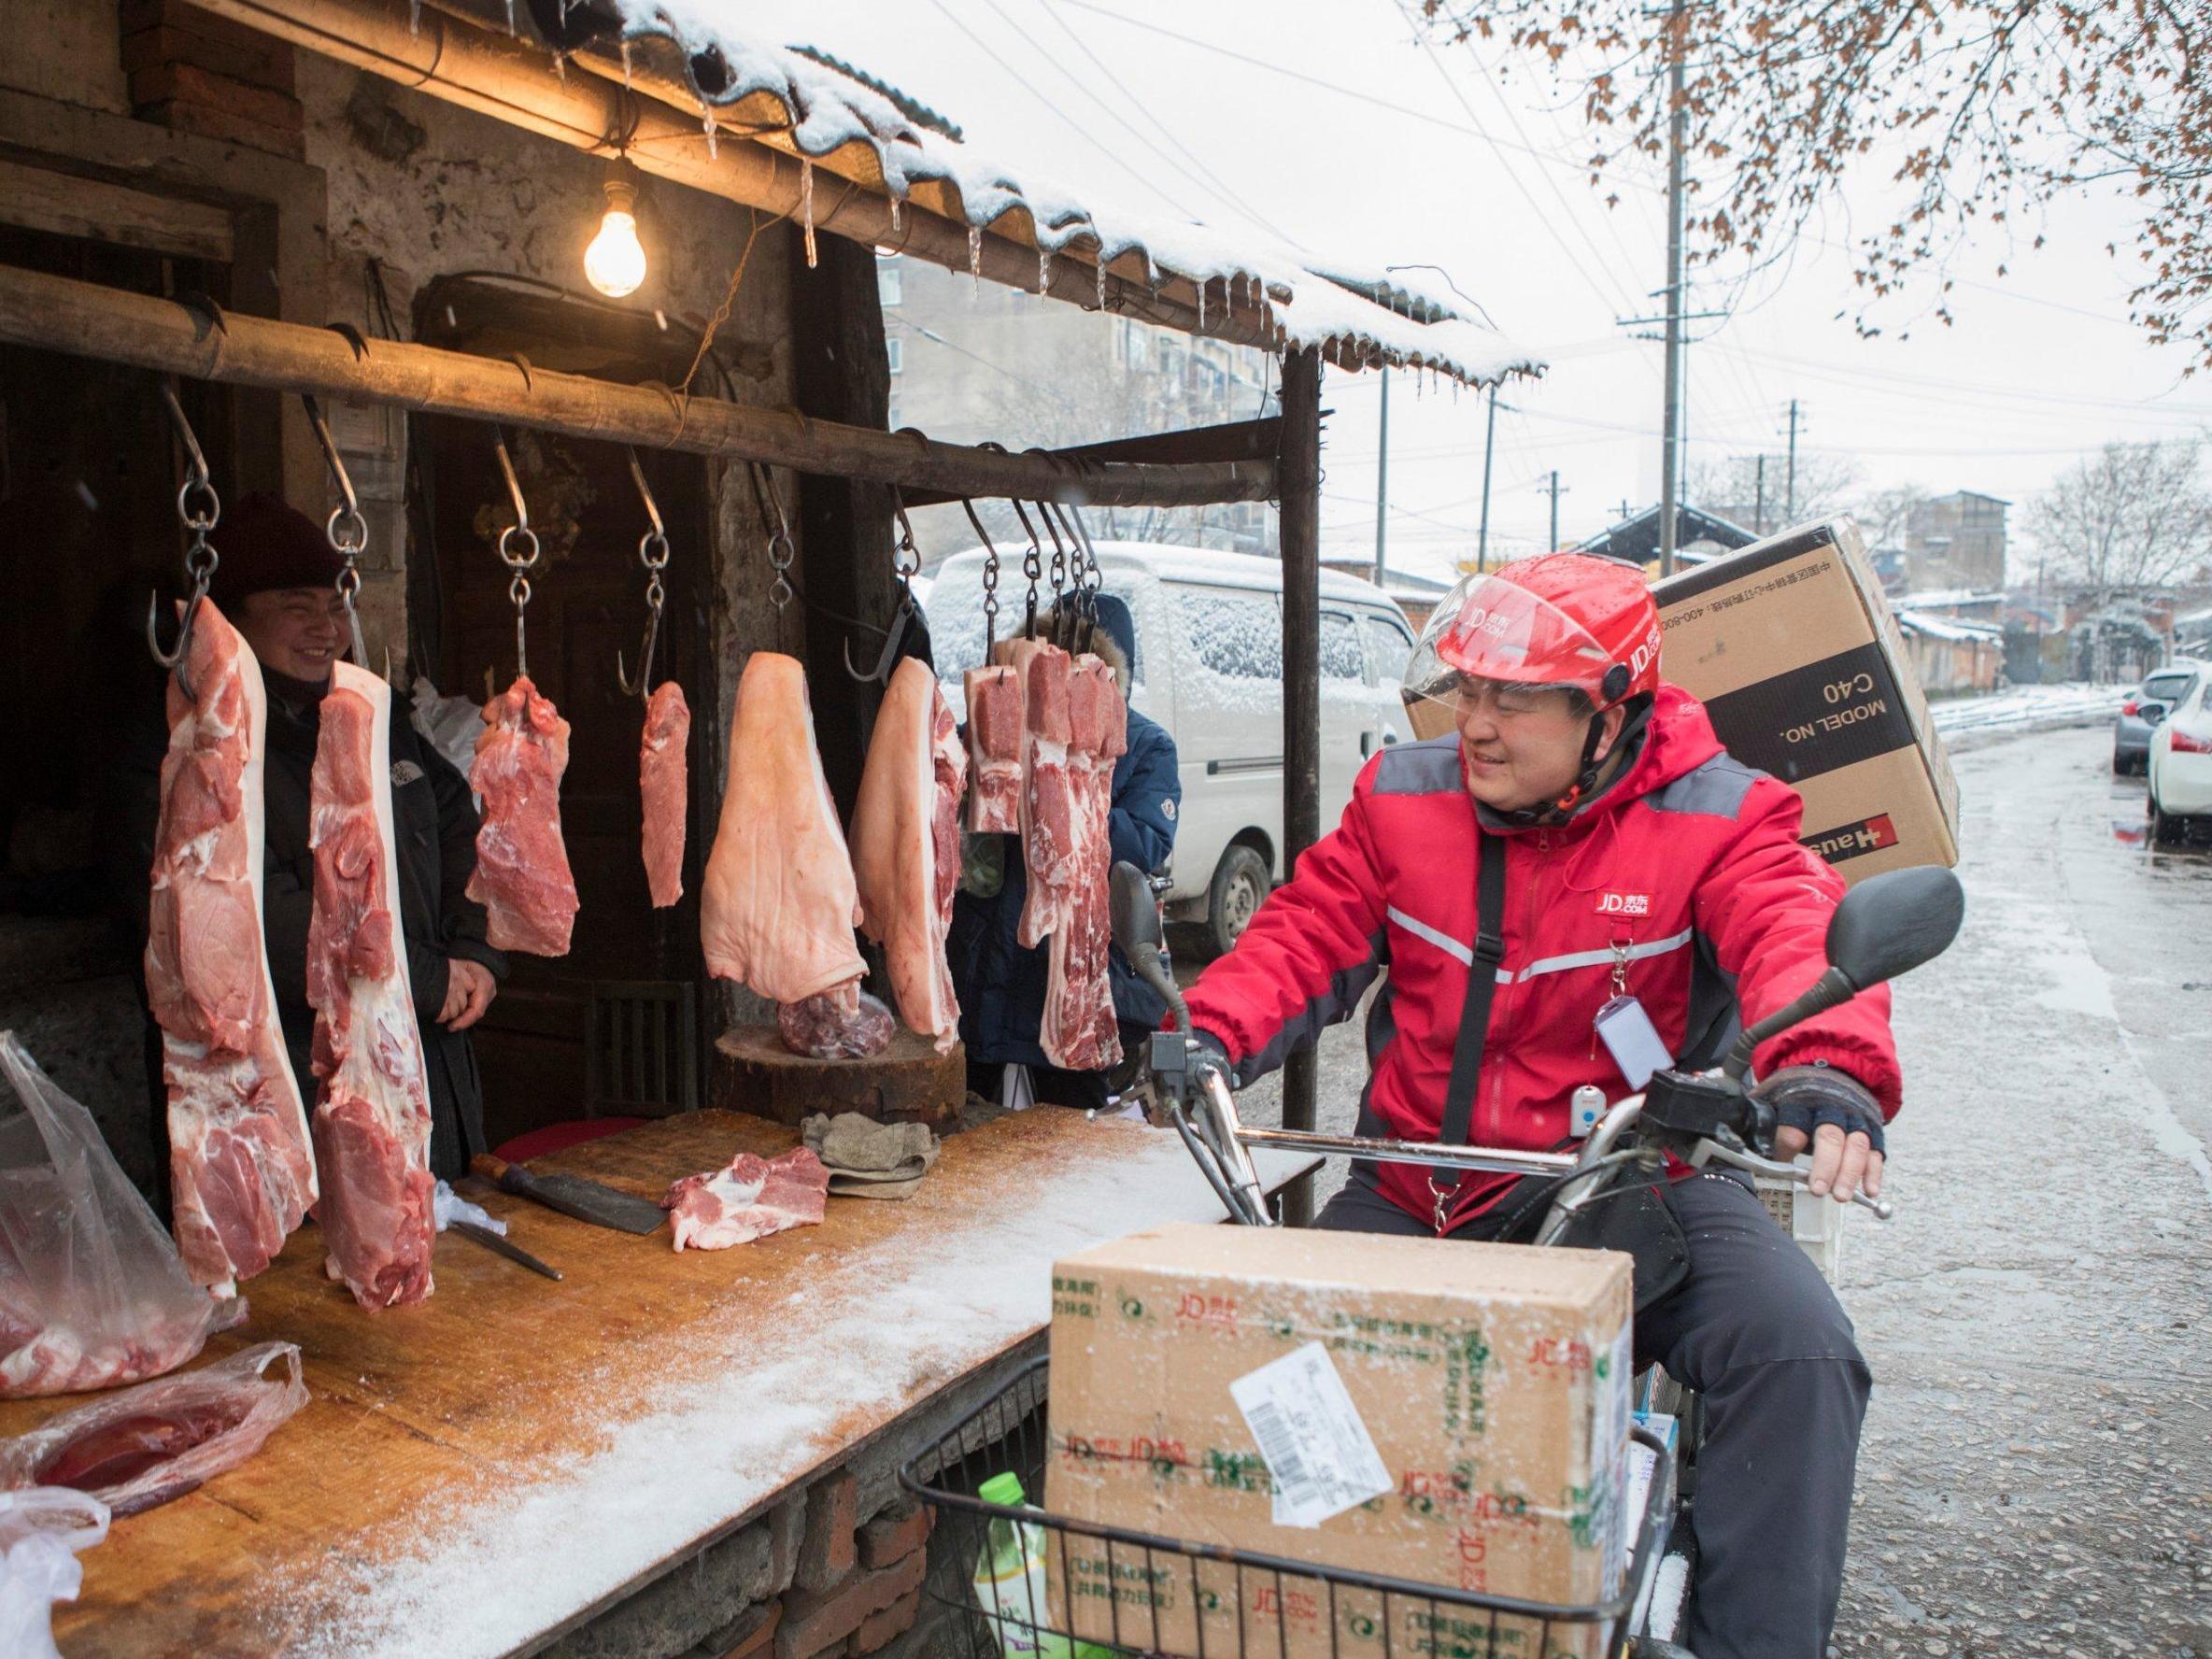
(2037, 1476)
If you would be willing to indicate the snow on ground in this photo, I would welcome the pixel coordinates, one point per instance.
(2027, 706)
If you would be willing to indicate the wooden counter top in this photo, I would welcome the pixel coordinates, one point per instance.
(513, 1454)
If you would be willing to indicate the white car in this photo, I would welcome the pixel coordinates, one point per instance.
(2181, 762)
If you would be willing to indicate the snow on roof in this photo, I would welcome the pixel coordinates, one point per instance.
(1357, 315)
(1944, 628)
(1953, 596)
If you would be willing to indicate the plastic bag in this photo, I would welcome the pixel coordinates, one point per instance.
(161, 1439)
(92, 1293)
(42, 1531)
(452, 724)
(448, 1207)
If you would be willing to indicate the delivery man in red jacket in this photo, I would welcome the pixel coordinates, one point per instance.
(1639, 861)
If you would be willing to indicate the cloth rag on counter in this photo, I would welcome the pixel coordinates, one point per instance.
(867, 1159)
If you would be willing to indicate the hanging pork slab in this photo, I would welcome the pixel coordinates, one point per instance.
(906, 846)
(240, 1168)
(663, 776)
(1079, 1030)
(372, 1119)
(778, 905)
(522, 876)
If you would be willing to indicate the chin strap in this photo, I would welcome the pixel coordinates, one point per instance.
(1561, 810)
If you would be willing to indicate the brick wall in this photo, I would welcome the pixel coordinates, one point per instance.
(199, 73)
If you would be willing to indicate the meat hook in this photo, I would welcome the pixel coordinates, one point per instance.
(200, 559)
(1032, 568)
(906, 559)
(990, 580)
(348, 531)
(517, 536)
(652, 552)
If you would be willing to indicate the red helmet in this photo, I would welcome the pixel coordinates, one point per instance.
(1570, 619)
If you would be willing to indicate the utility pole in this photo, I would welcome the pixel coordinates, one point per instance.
(1790, 495)
(1489, 442)
(1670, 447)
(1759, 511)
(1555, 491)
(1383, 481)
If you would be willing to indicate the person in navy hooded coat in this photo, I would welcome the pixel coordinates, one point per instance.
(1000, 986)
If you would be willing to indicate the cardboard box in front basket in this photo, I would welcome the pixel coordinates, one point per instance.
(1791, 649)
(1448, 1412)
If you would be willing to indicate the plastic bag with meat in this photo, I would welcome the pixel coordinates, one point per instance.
(92, 1293)
(160, 1440)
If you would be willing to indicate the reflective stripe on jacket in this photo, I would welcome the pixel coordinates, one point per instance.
(1686, 875)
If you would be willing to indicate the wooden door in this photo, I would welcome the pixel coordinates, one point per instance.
(587, 603)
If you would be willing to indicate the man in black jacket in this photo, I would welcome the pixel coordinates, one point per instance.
(276, 583)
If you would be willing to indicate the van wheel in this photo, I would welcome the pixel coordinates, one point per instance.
(1240, 882)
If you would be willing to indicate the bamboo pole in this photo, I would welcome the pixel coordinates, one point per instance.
(512, 82)
(85, 320)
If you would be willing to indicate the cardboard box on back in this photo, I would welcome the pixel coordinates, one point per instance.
(1791, 649)
(1452, 1413)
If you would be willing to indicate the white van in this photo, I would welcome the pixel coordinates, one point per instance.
(1210, 669)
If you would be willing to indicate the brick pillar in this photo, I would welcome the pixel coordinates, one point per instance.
(201, 74)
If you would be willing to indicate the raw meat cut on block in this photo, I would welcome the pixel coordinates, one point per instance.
(1048, 802)
(994, 697)
(664, 776)
(906, 846)
(778, 906)
(751, 1199)
(240, 1168)
(160, 1440)
(842, 1023)
(522, 877)
(1079, 1030)
(371, 1117)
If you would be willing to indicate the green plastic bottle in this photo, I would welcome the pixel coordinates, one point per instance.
(1009, 1582)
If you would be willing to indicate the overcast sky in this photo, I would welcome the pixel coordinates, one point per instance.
(1327, 121)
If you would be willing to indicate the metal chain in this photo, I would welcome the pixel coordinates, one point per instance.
(990, 582)
(781, 549)
(652, 552)
(906, 559)
(200, 556)
(516, 535)
(1032, 569)
(348, 531)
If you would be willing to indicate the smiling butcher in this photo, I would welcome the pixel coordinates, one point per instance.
(276, 584)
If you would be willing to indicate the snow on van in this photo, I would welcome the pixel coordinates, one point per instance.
(1209, 668)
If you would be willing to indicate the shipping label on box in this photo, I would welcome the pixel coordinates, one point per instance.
(1449, 1413)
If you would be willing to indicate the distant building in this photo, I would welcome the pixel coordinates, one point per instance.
(1956, 541)
(1699, 536)
(993, 364)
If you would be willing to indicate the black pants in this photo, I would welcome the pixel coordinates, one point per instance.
(1755, 1330)
(1052, 1084)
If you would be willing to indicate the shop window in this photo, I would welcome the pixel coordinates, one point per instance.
(890, 282)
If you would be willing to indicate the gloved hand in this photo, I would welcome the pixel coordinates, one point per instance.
(1833, 1111)
(1215, 1049)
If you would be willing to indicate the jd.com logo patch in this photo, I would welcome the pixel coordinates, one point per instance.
(1625, 904)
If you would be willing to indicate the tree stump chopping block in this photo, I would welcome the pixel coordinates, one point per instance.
(910, 1081)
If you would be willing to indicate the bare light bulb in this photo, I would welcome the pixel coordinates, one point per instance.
(614, 264)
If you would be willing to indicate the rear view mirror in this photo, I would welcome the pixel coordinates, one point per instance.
(1890, 924)
(2150, 714)
(1136, 916)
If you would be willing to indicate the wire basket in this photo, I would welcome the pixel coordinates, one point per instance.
(1139, 1592)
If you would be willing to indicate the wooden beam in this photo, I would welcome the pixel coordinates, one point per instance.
(513, 81)
(1299, 468)
(66, 205)
(1241, 440)
(83, 319)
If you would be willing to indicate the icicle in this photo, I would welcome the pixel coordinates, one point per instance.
(806, 207)
(894, 216)
(1201, 303)
(510, 15)
(413, 17)
(561, 67)
(975, 255)
(1101, 279)
(1044, 271)
(710, 136)
(625, 61)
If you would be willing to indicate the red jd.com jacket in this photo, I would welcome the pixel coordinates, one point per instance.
(1689, 866)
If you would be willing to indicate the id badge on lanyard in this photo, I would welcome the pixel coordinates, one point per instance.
(1627, 1031)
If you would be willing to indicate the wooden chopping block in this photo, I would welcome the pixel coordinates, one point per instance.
(910, 1081)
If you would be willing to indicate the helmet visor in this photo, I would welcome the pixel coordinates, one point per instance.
(1490, 628)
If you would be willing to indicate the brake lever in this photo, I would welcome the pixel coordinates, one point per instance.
(1708, 1152)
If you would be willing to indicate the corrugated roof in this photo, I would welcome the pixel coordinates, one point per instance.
(853, 124)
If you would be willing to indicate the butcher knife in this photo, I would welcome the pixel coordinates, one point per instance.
(572, 1194)
(502, 1245)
